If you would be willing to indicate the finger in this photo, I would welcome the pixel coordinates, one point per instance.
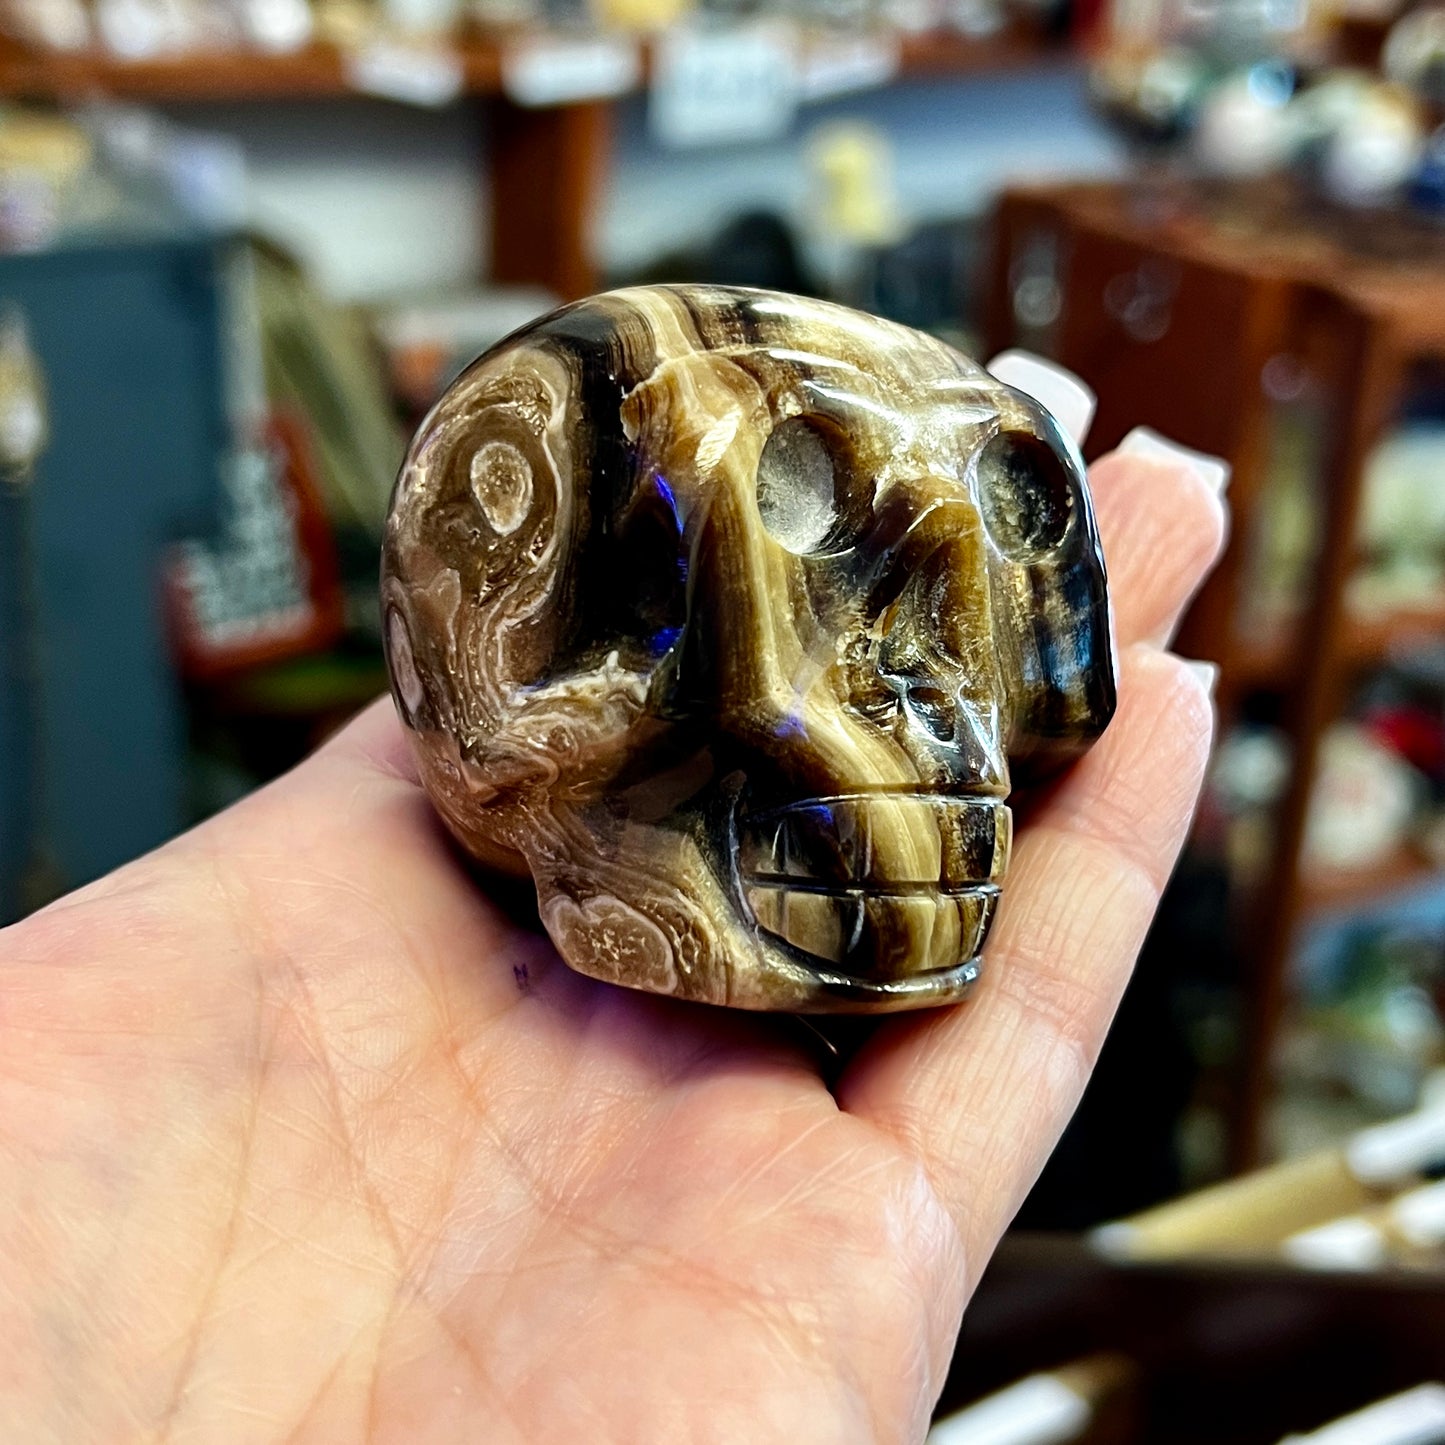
(361, 796)
(1163, 520)
(376, 739)
(351, 863)
(981, 1092)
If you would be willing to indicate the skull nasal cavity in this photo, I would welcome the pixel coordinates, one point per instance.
(796, 495)
(932, 709)
(1025, 493)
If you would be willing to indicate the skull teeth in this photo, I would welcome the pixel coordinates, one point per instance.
(886, 843)
(881, 885)
(882, 935)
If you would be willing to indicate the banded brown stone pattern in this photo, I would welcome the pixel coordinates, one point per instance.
(728, 616)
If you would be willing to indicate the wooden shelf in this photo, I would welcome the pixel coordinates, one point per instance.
(319, 71)
(1374, 637)
(546, 165)
(949, 54)
(1339, 891)
(1369, 639)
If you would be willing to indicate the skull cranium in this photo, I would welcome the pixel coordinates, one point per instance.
(727, 614)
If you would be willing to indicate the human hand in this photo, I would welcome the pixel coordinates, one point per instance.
(301, 1139)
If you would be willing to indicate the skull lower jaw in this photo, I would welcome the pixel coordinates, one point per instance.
(877, 935)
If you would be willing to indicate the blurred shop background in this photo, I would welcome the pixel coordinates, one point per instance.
(245, 243)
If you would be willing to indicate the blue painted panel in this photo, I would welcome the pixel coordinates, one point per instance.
(128, 338)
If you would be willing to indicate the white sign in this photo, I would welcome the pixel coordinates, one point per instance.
(560, 71)
(427, 75)
(842, 64)
(719, 87)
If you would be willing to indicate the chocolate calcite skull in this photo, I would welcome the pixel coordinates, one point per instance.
(727, 615)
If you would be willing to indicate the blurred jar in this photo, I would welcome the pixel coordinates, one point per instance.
(976, 18)
(1151, 96)
(1371, 159)
(421, 19)
(853, 206)
(1364, 801)
(276, 26)
(912, 17)
(139, 29)
(1414, 53)
(47, 24)
(1244, 123)
(1402, 526)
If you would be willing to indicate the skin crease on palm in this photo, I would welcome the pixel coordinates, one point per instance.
(302, 1140)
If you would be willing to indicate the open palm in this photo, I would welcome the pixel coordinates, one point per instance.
(302, 1139)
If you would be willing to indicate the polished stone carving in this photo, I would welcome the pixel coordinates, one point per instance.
(728, 615)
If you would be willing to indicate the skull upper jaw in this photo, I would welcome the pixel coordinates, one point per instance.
(742, 964)
(863, 903)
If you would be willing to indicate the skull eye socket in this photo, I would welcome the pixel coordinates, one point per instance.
(1025, 493)
(797, 487)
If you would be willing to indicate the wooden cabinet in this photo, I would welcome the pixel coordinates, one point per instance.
(1175, 306)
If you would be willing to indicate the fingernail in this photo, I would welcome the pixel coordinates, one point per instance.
(1144, 441)
(1069, 400)
(1207, 673)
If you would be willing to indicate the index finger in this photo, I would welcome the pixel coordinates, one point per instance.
(981, 1092)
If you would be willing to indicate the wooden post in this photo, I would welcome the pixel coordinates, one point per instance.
(548, 167)
(1366, 369)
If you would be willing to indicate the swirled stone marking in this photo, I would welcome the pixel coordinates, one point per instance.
(502, 485)
(731, 617)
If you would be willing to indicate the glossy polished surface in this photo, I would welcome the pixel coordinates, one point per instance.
(727, 616)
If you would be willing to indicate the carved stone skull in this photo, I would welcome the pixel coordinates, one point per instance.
(727, 615)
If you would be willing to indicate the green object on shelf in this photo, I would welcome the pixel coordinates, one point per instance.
(308, 685)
